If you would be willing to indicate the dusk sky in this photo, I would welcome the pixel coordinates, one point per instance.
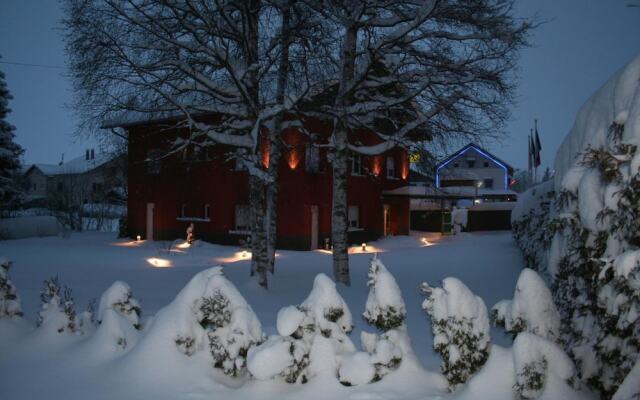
(573, 54)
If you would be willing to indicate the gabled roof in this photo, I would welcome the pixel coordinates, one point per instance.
(479, 150)
(78, 165)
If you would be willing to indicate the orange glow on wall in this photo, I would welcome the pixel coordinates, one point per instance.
(376, 165)
(293, 158)
(405, 168)
(266, 149)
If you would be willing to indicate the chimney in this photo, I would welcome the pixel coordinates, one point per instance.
(86, 156)
(93, 155)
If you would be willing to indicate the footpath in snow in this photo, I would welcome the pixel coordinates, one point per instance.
(138, 357)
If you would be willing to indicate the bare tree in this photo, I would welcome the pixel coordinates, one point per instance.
(442, 66)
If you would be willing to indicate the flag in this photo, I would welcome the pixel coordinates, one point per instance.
(529, 158)
(538, 147)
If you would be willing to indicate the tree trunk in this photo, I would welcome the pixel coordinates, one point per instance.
(258, 230)
(339, 225)
(275, 149)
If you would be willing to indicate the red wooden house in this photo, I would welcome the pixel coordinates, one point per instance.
(202, 186)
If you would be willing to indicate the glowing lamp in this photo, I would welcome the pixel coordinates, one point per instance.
(159, 262)
(364, 247)
(138, 238)
(245, 254)
(293, 159)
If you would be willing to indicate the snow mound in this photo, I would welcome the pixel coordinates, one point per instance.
(385, 308)
(533, 309)
(270, 358)
(356, 369)
(289, 319)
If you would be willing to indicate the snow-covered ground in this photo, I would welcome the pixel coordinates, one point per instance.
(37, 365)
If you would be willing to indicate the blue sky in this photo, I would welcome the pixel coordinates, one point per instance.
(582, 43)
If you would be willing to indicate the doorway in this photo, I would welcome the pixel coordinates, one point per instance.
(314, 227)
(150, 207)
(386, 220)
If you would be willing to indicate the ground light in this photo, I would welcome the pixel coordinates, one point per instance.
(159, 262)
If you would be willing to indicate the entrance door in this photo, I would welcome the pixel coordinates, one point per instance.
(314, 227)
(387, 220)
(150, 207)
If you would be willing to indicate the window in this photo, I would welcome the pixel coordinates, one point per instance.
(354, 220)
(242, 217)
(59, 186)
(312, 159)
(391, 167)
(96, 187)
(183, 210)
(486, 164)
(205, 212)
(356, 164)
(488, 183)
(471, 163)
(456, 165)
(154, 163)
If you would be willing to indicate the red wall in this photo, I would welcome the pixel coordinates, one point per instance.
(214, 182)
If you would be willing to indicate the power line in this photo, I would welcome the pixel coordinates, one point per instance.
(32, 65)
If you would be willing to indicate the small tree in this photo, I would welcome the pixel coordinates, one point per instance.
(9, 301)
(119, 298)
(10, 153)
(386, 311)
(311, 335)
(57, 313)
(532, 309)
(460, 326)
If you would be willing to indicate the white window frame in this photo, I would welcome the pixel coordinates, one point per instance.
(353, 214)
(205, 211)
(183, 210)
(391, 167)
(312, 158)
(356, 161)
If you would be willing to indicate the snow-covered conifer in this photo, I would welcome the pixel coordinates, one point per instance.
(460, 327)
(9, 300)
(311, 336)
(532, 309)
(535, 359)
(57, 313)
(87, 318)
(120, 298)
(385, 307)
(385, 310)
(10, 151)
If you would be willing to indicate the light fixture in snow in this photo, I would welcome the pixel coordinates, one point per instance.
(364, 247)
(477, 201)
(138, 238)
(159, 262)
(184, 245)
(425, 242)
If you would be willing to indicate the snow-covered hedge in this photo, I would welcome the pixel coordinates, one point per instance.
(460, 327)
(580, 232)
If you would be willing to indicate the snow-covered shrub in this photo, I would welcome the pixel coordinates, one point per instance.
(385, 307)
(630, 387)
(87, 318)
(386, 311)
(118, 297)
(356, 369)
(57, 313)
(9, 301)
(535, 358)
(592, 218)
(229, 323)
(311, 336)
(460, 327)
(532, 309)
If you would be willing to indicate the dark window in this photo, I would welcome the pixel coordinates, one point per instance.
(456, 165)
(471, 163)
(183, 210)
(488, 183)
(59, 186)
(206, 211)
(391, 167)
(242, 217)
(154, 163)
(356, 164)
(312, 159)
(457, 182)
(486, 164)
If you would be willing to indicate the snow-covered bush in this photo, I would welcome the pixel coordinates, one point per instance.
(87, 318)
(591, 216)
(118, 297)
(310, 337)
(58, 312)
(385, 307)
(535, 359)
(9, 301)
(532, 309)
(460, 326)
(630, 387)
(386, 311)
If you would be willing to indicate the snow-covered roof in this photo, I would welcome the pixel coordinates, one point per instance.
(78, 165)
(464, 192)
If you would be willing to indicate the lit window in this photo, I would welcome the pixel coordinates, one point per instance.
(354, 220)
(206, 211)
(391, 167)
(312, 158)
(356, 164)
(242, 217)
